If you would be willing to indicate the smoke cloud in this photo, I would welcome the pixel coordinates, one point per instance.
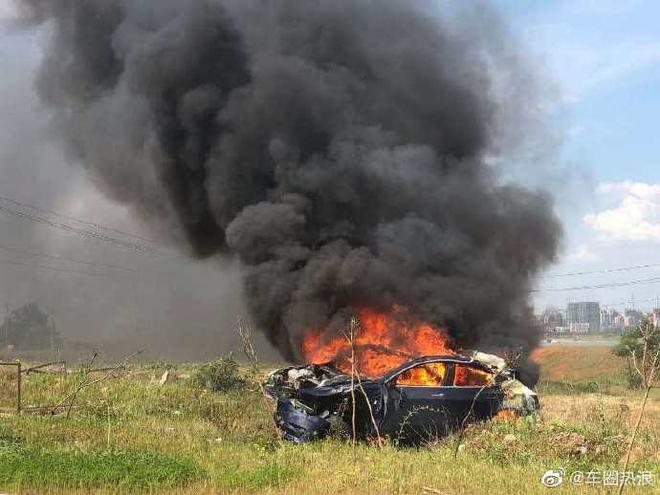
(338, 149)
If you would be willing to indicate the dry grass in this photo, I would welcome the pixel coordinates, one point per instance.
(578, 364)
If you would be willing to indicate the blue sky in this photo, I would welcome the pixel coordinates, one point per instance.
(605, 55)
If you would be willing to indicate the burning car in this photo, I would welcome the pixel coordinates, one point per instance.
(420, 398)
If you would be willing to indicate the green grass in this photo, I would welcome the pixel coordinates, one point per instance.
(271, 474)
(577, 388)
(22, 466)
(129, 434)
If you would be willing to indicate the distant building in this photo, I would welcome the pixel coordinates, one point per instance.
(611, 320)
(579, 328)
(552, 319)
(620, 321)
(632, 317)
(656, 317)
(580, 313)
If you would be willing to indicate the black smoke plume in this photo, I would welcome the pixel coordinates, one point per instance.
(338, 148)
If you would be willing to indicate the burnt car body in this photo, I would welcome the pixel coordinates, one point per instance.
(422, 398)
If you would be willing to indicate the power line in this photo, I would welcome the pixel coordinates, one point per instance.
(644, 281)
(67, 260)
(70, 218)
(55, 269)
(82, 232)
(605, 270)
(625, 303)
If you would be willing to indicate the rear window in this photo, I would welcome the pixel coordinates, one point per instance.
(467, 376)
(424, 375)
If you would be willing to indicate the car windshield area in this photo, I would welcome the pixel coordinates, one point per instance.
(441, 374)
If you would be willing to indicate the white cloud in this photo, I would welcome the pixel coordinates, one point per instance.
(621, 62)
(583, 68)
(594, 45)
(597, 8)
(584, 253)
(636, 215)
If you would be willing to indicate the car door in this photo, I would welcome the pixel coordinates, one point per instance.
(417, 410)
(430, 399)
(471, 393)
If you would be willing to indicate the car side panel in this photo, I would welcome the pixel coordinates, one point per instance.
(417, 413)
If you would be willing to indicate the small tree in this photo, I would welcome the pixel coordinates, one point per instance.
(640, 346)
(220, 375)
(642, 349)
(29, 327)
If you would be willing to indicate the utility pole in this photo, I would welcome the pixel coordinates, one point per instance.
(52, 333)
(6, 325)
(136, 305)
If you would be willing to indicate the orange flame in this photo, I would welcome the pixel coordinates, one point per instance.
(382, 342)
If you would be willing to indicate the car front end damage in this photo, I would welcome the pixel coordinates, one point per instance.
(425, 396)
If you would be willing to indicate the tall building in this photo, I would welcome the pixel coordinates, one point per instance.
(584, 313)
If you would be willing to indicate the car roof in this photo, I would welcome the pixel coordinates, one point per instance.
(431, 359)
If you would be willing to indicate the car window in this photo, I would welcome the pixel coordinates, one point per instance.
(424, 375)
(467, 376)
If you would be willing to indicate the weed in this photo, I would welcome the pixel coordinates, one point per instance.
(570, 388)
(221, 375)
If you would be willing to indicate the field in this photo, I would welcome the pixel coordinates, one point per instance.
(131, 434)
